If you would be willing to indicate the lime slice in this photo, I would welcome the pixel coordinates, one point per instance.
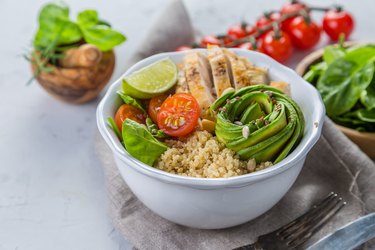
(151, 80)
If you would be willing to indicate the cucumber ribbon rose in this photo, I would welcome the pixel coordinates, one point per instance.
(258, 122)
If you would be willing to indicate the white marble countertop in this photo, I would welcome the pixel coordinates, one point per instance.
(52, 192)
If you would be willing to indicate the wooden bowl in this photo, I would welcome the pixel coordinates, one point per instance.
(364, 140)
(77, 85)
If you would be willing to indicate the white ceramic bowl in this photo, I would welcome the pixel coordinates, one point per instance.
(222, 202)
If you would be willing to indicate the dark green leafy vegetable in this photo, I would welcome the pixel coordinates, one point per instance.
(112, 124)
(130, 100)
(140, 143)
(342, 83)
(345, 79)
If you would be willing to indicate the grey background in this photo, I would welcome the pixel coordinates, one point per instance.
(51, 184)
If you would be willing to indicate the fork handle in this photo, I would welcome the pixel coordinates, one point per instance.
(254, 246)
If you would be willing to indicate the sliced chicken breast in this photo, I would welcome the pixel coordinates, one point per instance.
(220, 69)
(258, 75)
(198, 77)
(238, 70)
(182, 86)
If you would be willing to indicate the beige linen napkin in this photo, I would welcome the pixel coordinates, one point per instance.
(334, 164)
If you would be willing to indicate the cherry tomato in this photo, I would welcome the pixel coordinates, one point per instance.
(210, 40)
(303, 35)
(128, 111)
(154, 106)
(336, 22)
(292, 7)
(250, 46)
(183, 48)
(225, 39)
(239, 30)
(178, 115)
(277, 46)
(267, 19)
(288, 8)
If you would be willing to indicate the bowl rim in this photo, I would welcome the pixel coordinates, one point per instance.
(291, 160)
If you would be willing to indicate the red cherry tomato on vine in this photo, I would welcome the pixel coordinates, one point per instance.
(226, 40)
(267, 19)
(291, 7)
(303, 35)
(288, 8)
(277, 46)
(250, 46)
(213, 40)
(238, 31)
(336, 22)
(183, 48)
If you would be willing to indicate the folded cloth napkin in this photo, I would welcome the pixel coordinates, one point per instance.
(334, 164)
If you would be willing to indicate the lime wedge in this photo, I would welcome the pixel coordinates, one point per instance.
(151, 80)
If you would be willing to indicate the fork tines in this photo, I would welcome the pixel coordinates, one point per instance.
(301, 229)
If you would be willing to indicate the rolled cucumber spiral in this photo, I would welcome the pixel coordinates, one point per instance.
(258, 122)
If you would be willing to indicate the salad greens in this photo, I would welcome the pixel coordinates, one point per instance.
(140, 143)
(139, 138)
(345, 79)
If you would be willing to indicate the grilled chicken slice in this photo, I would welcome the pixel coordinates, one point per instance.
(244, 73)
(257, 75)
(182, 86)
(220, 70)
(238, 69)
(198, 77)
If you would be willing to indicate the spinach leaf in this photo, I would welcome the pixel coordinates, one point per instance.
(130, 100)
(315, 71)
(54, 24)
(368, 95)
(331, 53)
(366, 115)
(140, 143)
(114, 127)
(344, 80)
(97, 32)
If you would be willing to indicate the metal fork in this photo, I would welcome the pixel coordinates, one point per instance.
(294, 234)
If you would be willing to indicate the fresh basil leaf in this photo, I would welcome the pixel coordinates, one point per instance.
(55, 27)
(114, 127)
(344, 80)
(130, 100)
(87, 18)
(98, 32)
(103, 37)
(332, 52)
(140, 143)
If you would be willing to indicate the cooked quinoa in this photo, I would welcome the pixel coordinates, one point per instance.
(202, 155)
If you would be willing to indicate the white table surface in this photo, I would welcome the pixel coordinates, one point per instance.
(52, 193)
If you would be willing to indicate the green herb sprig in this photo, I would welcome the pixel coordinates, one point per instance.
(57, 33)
